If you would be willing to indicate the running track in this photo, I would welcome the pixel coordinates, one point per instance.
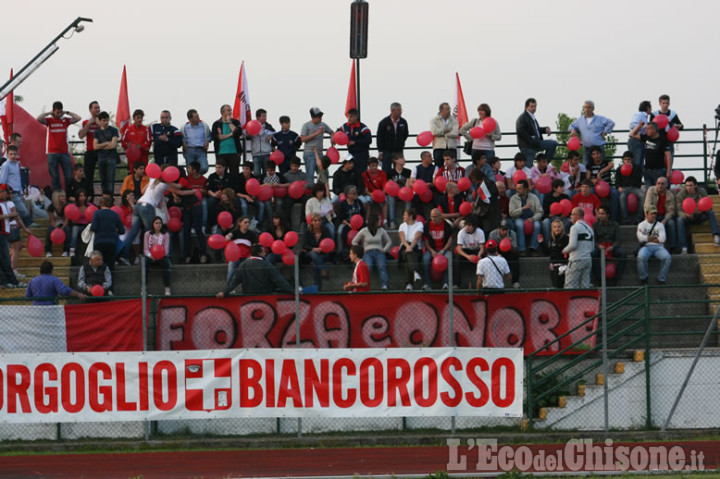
(271, 463)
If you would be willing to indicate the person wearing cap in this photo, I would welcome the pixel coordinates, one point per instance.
(359, 139)
(492, 270)
(311, 134)
(257, 276)
(663, 200)
(579, 250)
(651, 235)
(505, 231)
(392, 132)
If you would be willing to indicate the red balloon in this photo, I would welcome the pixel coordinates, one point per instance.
(474, 258)
(543, 184)
(395, 252)
(334, 156)
(253, 127)
(464, 184)
(341, 138)
(277, 157)
(34, 246)
(426, 196)
(296, 189)
(291, 239)
(266, 239)
(705, 204)
(673, 134)
(120, 212)
(308, 218)
(688, 206)
(440, 263)
(590, 218)
(378, 196)
(465, 208)
(252, 186)
(477, 132)
(288, 257)
(489, 124)
(97, 290)
(232, 252)
(342, 197)
(170, 174)
(225, 220)
(174, 224)
(57, 236)
(610, 270)
(279, 191)
(405, 194)
(278, 247)
(632, 203)
(392, 188)
(425, 138)
(175, 212)
(133, 154)
(127, 221)
(555, 209)
(528, 226)
(198, 194)
(72, 212)
(677, 177)
(626, 169)
(153, 170)
(356, 222)
(351, 236)
(661, 120)
(90, 211)
(566, 206)
(327, 245)
(519, 175)
(419, 186)
(573, 143)
(216, 241)
(265, 193)
(157, 251)
(505, 245)
(440, 183)
(602, 188)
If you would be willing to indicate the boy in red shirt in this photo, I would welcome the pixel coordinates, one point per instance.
(361, 275)
(57, 142)
(374, 179)
(586, 199)
(137, 136)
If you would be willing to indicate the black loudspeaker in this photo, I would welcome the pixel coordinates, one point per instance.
(358, 29)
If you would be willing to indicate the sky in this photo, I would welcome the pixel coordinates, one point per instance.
(187, 54)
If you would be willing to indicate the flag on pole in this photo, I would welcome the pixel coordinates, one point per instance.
(241, 109)
(6, 114)
(122, 116)
(352, 93)
(460, 111)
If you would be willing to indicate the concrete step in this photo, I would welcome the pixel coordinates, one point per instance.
(704, 237)
(706, 248)
(32, 262)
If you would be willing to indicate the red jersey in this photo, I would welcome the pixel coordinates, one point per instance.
(584, 202)
(57, 139)
(89, 146)
(437, 233)
(451, 175)
(138, 136)
(361, 275)
(374, 182)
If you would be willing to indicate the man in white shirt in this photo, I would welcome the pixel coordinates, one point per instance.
(492, 270)
(651, 235)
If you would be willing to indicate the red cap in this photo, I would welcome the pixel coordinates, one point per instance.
(491, 244)
(4, 187)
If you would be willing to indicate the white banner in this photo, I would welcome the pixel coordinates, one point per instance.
(84, 387)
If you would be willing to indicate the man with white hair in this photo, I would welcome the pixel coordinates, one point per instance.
(593, 130)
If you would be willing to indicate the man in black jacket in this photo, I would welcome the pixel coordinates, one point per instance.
(166, 140)
(257, 276)
(391, 135)
(529, 134)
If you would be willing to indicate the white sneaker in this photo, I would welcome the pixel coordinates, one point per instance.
(426, 287)
(383, 287)
(48, 255)
(64, 254)
(409, 287)
(683, 251)
(19, 275)
(716, 239)
(72, 252)
(516, 285)
(445, 286)
(417, 276)
(167, 292)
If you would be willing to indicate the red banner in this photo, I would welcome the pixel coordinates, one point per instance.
(378, 321)
(104, 326)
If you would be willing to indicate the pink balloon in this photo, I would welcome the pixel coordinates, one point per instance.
(425, 138)
(419, 186)
(602, 189)
(392, 188)
(341, 138)
(232, 252)
(626, 169)
(174, 224)
(573, 143)
(97, 290)
(288, 258)
(677, 177)
(170, 174)
(528, 226)
(465, 208)
(464, 184)
(278, 247)
(632, 203)
(489, 124)
(34, 246)
(566, 206)
(291, 239)
(405, 194)
(225, 220)
(477, 132)
(334, 155)
(216, 241)
(661, 120)
(440, 183)
(610, 270)
(252, 186)
(157, 251)
(356, 222)
(688, 206)
(72, 212)
(673, 134)
(57, 236)
(505, 245)
(519, 175)
(543, 184)
(90, 211)
(253, 127)
(705, 204)
(440, 263)
(153, 170)
(175, 212)
(327, 245)
(266, 239)
(277, 157)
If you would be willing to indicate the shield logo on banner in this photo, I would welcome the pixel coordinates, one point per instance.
(208, 384)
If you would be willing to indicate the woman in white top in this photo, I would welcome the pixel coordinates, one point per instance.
(376, 242)
(319, 203)
(486, 143)
(158, 236)
(410, 234)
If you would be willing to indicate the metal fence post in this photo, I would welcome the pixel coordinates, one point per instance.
(143, 298)
(296, 274)
(451, 318)
(603, 296)
(648, 336)
(705, 154)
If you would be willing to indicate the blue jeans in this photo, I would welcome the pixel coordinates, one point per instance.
(143, 215)
(259, 206)
(318, 260)
(193, 219)
(197, 154)
(653, 250)
(427, 261)
(377, 257)
(651, 176)
(637, 148)
(310, 166)
(260, 164)
(520, 229)
(63, 161)
(21, 208)
(549, 146)
(76, 230)
(639, 216)
(107, 167)
(700, 218)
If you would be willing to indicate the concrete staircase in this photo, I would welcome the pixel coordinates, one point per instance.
(708, 257)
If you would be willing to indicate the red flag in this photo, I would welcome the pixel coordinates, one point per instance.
(122, 115)
(241, 109)
(352, 93)
(32, 152)
(460, 111)
(7, 116)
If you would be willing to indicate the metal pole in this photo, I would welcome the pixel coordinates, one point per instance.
(357, 86)
(451, 317)
(143, 295)
(692, 368)
(296, 274)
(604, 336)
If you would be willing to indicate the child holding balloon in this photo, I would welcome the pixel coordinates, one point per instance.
(58, 220)
(156, 247)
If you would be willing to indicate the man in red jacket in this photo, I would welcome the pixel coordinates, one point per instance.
(137, 136)
(361, 275)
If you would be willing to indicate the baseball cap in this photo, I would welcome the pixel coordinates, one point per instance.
(348, 157)
(649, 209)
(504, 224)
(491, 244)
(315, 111)
(4, 187)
